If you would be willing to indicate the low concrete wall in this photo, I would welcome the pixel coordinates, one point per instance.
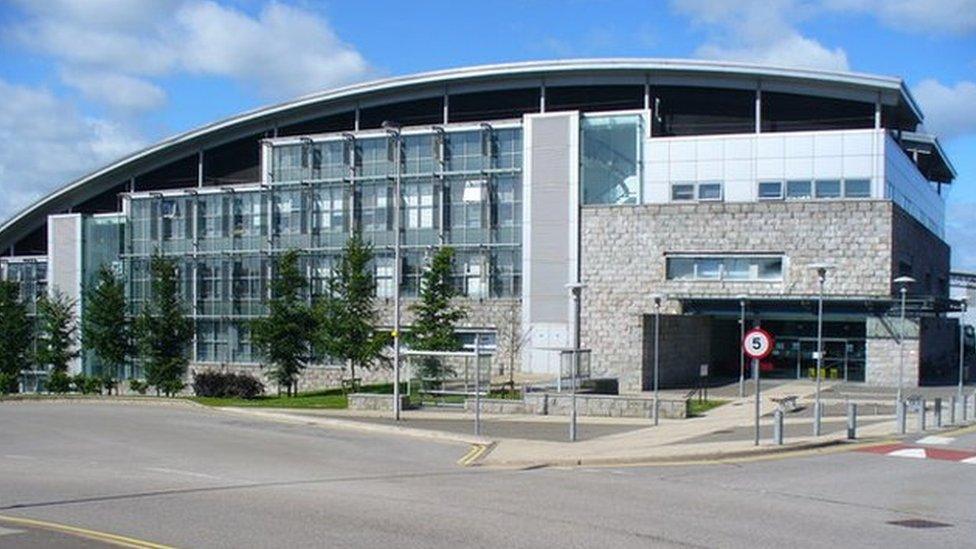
(497, 406)
(374, 402)
(559, 404)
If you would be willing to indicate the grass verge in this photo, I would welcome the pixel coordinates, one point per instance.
(698, 408)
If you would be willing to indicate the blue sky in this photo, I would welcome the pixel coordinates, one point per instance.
(85, 81)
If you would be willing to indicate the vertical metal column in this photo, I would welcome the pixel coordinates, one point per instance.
(962, 346)
(742, 355)
(937, 411)
(778, 426)
(817, 411)
(657, 356)
(395, 135)
(851, 420)
(755, 376)
(477, 386)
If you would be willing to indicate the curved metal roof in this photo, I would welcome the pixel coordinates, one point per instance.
(893, 89)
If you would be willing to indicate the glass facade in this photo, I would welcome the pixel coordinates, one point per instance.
(610, 159)
(460, 187)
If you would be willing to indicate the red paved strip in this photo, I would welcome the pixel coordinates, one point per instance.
(943, 454)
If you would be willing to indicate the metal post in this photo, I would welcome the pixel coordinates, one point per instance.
(778, 426)
(574, 364)
(921, 415)
(901, 412)
(953, 402)
(904, 281)
(937, 411)
(395, 135)
(851, 420)
(657, 354)
(817, 412)
(755, 376)
(962, 345)
(477, 386)
(742, 355)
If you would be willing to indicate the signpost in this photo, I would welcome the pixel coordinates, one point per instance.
(757, 345)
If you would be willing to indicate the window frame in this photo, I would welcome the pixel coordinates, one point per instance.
(780, 195)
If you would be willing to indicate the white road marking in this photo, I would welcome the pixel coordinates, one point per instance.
(180, 472)
(935, 440)
(917, 453)
(9, 531)
(971, 461)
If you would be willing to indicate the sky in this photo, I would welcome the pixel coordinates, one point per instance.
(83, 82)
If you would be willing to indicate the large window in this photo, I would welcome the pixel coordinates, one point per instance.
(610, 153)
(730, 268)
(710, 191)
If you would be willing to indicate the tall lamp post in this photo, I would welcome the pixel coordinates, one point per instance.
(904, 281)
(742, 336)
(821, 269)
(393, 133)
(962, 345)
(575, 289)
(658, 299)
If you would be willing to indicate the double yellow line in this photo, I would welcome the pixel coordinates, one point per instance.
(113, 539)
(474, 454)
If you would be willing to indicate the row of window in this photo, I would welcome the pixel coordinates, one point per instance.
(799, 189)
(718, 268)
(420, 154)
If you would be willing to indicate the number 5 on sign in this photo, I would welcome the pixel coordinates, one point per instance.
(757, 344)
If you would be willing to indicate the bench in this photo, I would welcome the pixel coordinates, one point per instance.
(351, 385)
(787, 403)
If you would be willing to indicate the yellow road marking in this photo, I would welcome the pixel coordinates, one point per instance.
(475, 453)
(113, 539)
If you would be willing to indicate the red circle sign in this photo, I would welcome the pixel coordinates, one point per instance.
(757, 344)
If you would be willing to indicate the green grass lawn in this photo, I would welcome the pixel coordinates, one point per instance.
(698, 408)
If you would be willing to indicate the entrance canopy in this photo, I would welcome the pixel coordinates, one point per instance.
(834, 306)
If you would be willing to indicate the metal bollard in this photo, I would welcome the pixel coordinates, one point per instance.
(778, 426)
(952, 410)
(901, 411)
(851, 420)
(921, 415)
(937, 411)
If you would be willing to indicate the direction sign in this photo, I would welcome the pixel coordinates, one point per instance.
(757, 344)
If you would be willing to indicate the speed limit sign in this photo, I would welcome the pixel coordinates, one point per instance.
(757, 343)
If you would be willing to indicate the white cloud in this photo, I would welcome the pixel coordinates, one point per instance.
(914, 16)
(950, 111)
(118, 90)
(112, 50)
(45, 143)
(760, 32)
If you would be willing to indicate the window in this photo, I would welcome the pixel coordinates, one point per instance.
(857, 188)
(799, 189)
(770, 190)
(709, 191)
(610, 159)
(828, 188)
(683, 192)
(384, 277)
(727, 268)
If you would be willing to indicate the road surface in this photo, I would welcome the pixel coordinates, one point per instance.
(190, 477)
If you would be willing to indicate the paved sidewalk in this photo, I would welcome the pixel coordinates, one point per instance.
(529, 440)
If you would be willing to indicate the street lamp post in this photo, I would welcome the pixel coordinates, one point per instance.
(657, 352)
(742, 336)
(575, 288)
(393, 132)
(821, 279)
(962, 345)
(904, 281)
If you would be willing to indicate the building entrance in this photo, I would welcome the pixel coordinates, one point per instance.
(795, 358)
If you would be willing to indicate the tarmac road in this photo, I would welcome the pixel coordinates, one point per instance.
(189, 477)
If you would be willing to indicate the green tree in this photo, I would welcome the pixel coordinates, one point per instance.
(105, 329)
(15, 336)
(284, 337)
(347, 313)
(163, 332)
(435, 314)
(57, 331)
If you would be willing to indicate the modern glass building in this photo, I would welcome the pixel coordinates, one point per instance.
(715, 185)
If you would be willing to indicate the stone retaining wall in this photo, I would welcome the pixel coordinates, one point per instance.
(374, 402)
(559, 404)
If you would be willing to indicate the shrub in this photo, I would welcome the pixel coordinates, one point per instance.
(86, 385)
(8, 383)
(109, 383)
(171, 387)
(59, 382)
(138, 386)
(226, 385)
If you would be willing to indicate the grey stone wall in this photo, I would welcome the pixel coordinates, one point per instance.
(374, 402)
(624, 251)
(925, 252)
(603, 405)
